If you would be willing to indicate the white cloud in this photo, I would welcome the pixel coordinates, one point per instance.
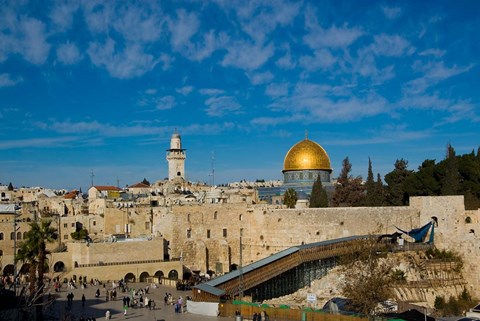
(257, 78)
(7, 81)
(433, 73)
(211, 91)
(433, 52)
(391, 46)
(183, 28)
(277, 90)
(129, 63)
(185, 90)
(68, 54)
(99, 15)
(258, 21)
(166, 102)
(139, 22)
(313, 103)
(23, 35)
(454, 110)
(62, 14)
(334, 37)
(37, 142)
(322, 59)
(222, 105)
(159, 102)
(97, 128)
(286, 61)
(186, 27)
(391, 12)
(247, 56)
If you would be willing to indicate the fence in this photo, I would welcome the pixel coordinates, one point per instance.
(282, 313)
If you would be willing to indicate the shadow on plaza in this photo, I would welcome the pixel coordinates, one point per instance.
(96, 308)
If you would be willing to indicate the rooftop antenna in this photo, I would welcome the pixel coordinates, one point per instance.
(118, 182)
(92, 176)
(306, 134)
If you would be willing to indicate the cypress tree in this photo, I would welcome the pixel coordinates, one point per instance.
(370, 186)
(319, 196)
(451, 180)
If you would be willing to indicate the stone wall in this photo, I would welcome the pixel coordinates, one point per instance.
(207, 236)
(213, 230)
(125, 251)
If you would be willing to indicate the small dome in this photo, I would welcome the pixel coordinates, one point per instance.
(306, 155)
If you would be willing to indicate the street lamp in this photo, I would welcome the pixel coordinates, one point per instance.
(15, 229)
(240, 270)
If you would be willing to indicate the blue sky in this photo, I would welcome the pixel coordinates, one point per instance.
(100, 86)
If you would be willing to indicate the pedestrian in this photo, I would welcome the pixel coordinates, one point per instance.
(107, 315)
(83, 300)
(125, 308)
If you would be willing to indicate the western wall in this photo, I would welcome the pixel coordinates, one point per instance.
(207, 236)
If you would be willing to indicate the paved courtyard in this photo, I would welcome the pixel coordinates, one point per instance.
(96, 307)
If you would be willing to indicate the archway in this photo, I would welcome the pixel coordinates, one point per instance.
(159, 275)
(59, 267)
(173, 275)
(144, 276)
(129, 277)
(8, 269)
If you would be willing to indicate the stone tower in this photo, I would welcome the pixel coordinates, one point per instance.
(176, 157)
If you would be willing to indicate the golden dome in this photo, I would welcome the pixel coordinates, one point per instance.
(306, 155)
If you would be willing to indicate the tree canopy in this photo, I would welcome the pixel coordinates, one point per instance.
(319, 197)
(290, 198)
(349, 190)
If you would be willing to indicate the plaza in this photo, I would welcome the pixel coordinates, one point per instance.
(97, 307)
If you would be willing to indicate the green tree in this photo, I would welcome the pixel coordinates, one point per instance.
(146, 182)
(33, 250)
(370, 186)
(319, 197)
(395, 180)
(79, 234)
(379, 191)
(425, 182)
(349, 191)
(451, 180)
(290, 198)
(10, 186)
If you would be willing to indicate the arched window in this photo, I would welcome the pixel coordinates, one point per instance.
(1, 252)
(24, 235)
(19, 235)
(12, 235)
(1, 235)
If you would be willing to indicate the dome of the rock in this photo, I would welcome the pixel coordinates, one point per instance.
(306, 155)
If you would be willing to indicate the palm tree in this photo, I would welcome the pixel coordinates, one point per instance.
(33, 250)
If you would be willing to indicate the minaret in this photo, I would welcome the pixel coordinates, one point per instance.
(176, 157)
